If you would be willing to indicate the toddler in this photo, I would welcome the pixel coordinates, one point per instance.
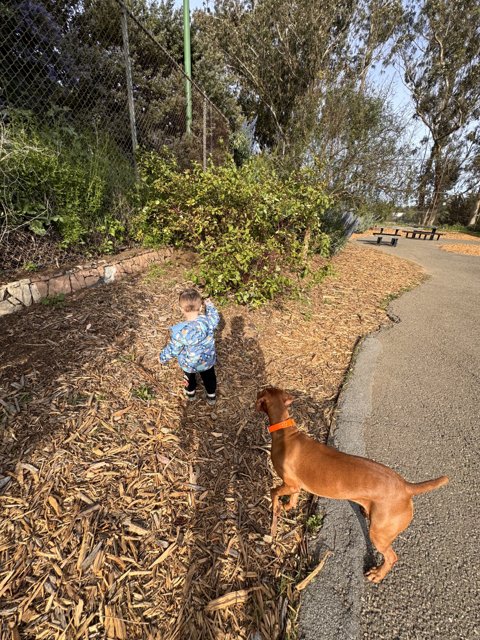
(193, 344)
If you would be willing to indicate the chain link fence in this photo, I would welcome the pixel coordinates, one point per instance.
(160, 119)
(83, 88)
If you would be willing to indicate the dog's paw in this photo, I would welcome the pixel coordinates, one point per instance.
(375, 575)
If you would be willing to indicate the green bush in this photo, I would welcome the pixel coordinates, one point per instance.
(458, 210)
(252, 229)
(54, 175)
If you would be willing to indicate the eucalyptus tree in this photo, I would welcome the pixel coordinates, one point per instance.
(472, 177)
(281, 54)
(375, 23)
(360, 149)
(286, 59)
(438, 46)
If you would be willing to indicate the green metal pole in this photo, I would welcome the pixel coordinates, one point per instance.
(187, 61)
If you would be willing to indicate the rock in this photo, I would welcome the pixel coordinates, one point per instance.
(34, 290)
(60, 284)
(109, 273)
(77, 281)
(20, 290)
(41, 289)
(6, 308)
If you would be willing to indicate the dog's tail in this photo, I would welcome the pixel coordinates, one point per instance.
(429, 485)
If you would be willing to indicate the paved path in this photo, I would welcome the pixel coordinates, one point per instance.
(412, 402)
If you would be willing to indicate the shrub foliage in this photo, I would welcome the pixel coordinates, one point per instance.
(253, 230)
(55, 175)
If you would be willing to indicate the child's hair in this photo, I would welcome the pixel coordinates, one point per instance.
(190, 300)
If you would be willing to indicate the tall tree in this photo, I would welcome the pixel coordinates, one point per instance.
(360, 148)
(374, 25)
(439, 50)
(473, 177)
(283, 58)
(281, 53)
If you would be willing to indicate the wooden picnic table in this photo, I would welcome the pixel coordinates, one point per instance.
(423, 234)
(419, 233)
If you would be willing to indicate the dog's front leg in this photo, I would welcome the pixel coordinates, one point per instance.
(273, 528)
(283, 490)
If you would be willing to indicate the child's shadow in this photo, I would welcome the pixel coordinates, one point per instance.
(232, 500)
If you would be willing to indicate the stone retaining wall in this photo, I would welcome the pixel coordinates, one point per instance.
(17, 295)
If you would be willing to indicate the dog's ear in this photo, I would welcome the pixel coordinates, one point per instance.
(260, 404)
(288, 399)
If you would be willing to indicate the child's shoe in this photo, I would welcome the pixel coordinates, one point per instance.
(190, 395)
(211, 399)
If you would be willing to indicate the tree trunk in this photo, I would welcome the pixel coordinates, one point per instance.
(433, 164)
(439, 170)
(476, 212)
(306, 246)
(422, 187)
(427, 219)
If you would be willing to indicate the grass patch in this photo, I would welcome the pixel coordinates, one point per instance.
(54, 301)
(155, 272)
(314, 523)
(30, 267)
(143, 392)
(461, 229)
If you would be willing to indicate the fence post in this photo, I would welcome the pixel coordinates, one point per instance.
(211, 127)
(128, 72)
(204, 134)
(187, 57)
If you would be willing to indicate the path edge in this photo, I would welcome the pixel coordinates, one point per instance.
(331, 605)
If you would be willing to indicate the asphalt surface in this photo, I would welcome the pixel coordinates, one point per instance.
(412, 402)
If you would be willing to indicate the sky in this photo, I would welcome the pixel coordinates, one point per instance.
(194, 4)
(390, 80)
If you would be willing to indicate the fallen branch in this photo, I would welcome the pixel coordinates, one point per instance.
(230, 599)
(301, 585)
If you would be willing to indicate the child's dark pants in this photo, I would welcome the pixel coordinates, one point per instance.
(209, 379)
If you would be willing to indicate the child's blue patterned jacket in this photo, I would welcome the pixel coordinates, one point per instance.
(192, 342)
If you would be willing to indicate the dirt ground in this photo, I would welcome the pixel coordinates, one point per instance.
(125, 513)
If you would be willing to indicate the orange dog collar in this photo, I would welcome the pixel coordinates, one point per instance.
(290, 422)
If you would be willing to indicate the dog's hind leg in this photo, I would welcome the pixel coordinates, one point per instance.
(377, 574)
(385, 525)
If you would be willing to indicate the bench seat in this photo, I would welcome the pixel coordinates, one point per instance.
(393, 241)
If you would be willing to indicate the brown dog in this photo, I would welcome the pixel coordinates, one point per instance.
(304, 463)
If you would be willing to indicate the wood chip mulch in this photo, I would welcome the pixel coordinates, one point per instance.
(124, 512)
(458, 235)
(466, 249)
